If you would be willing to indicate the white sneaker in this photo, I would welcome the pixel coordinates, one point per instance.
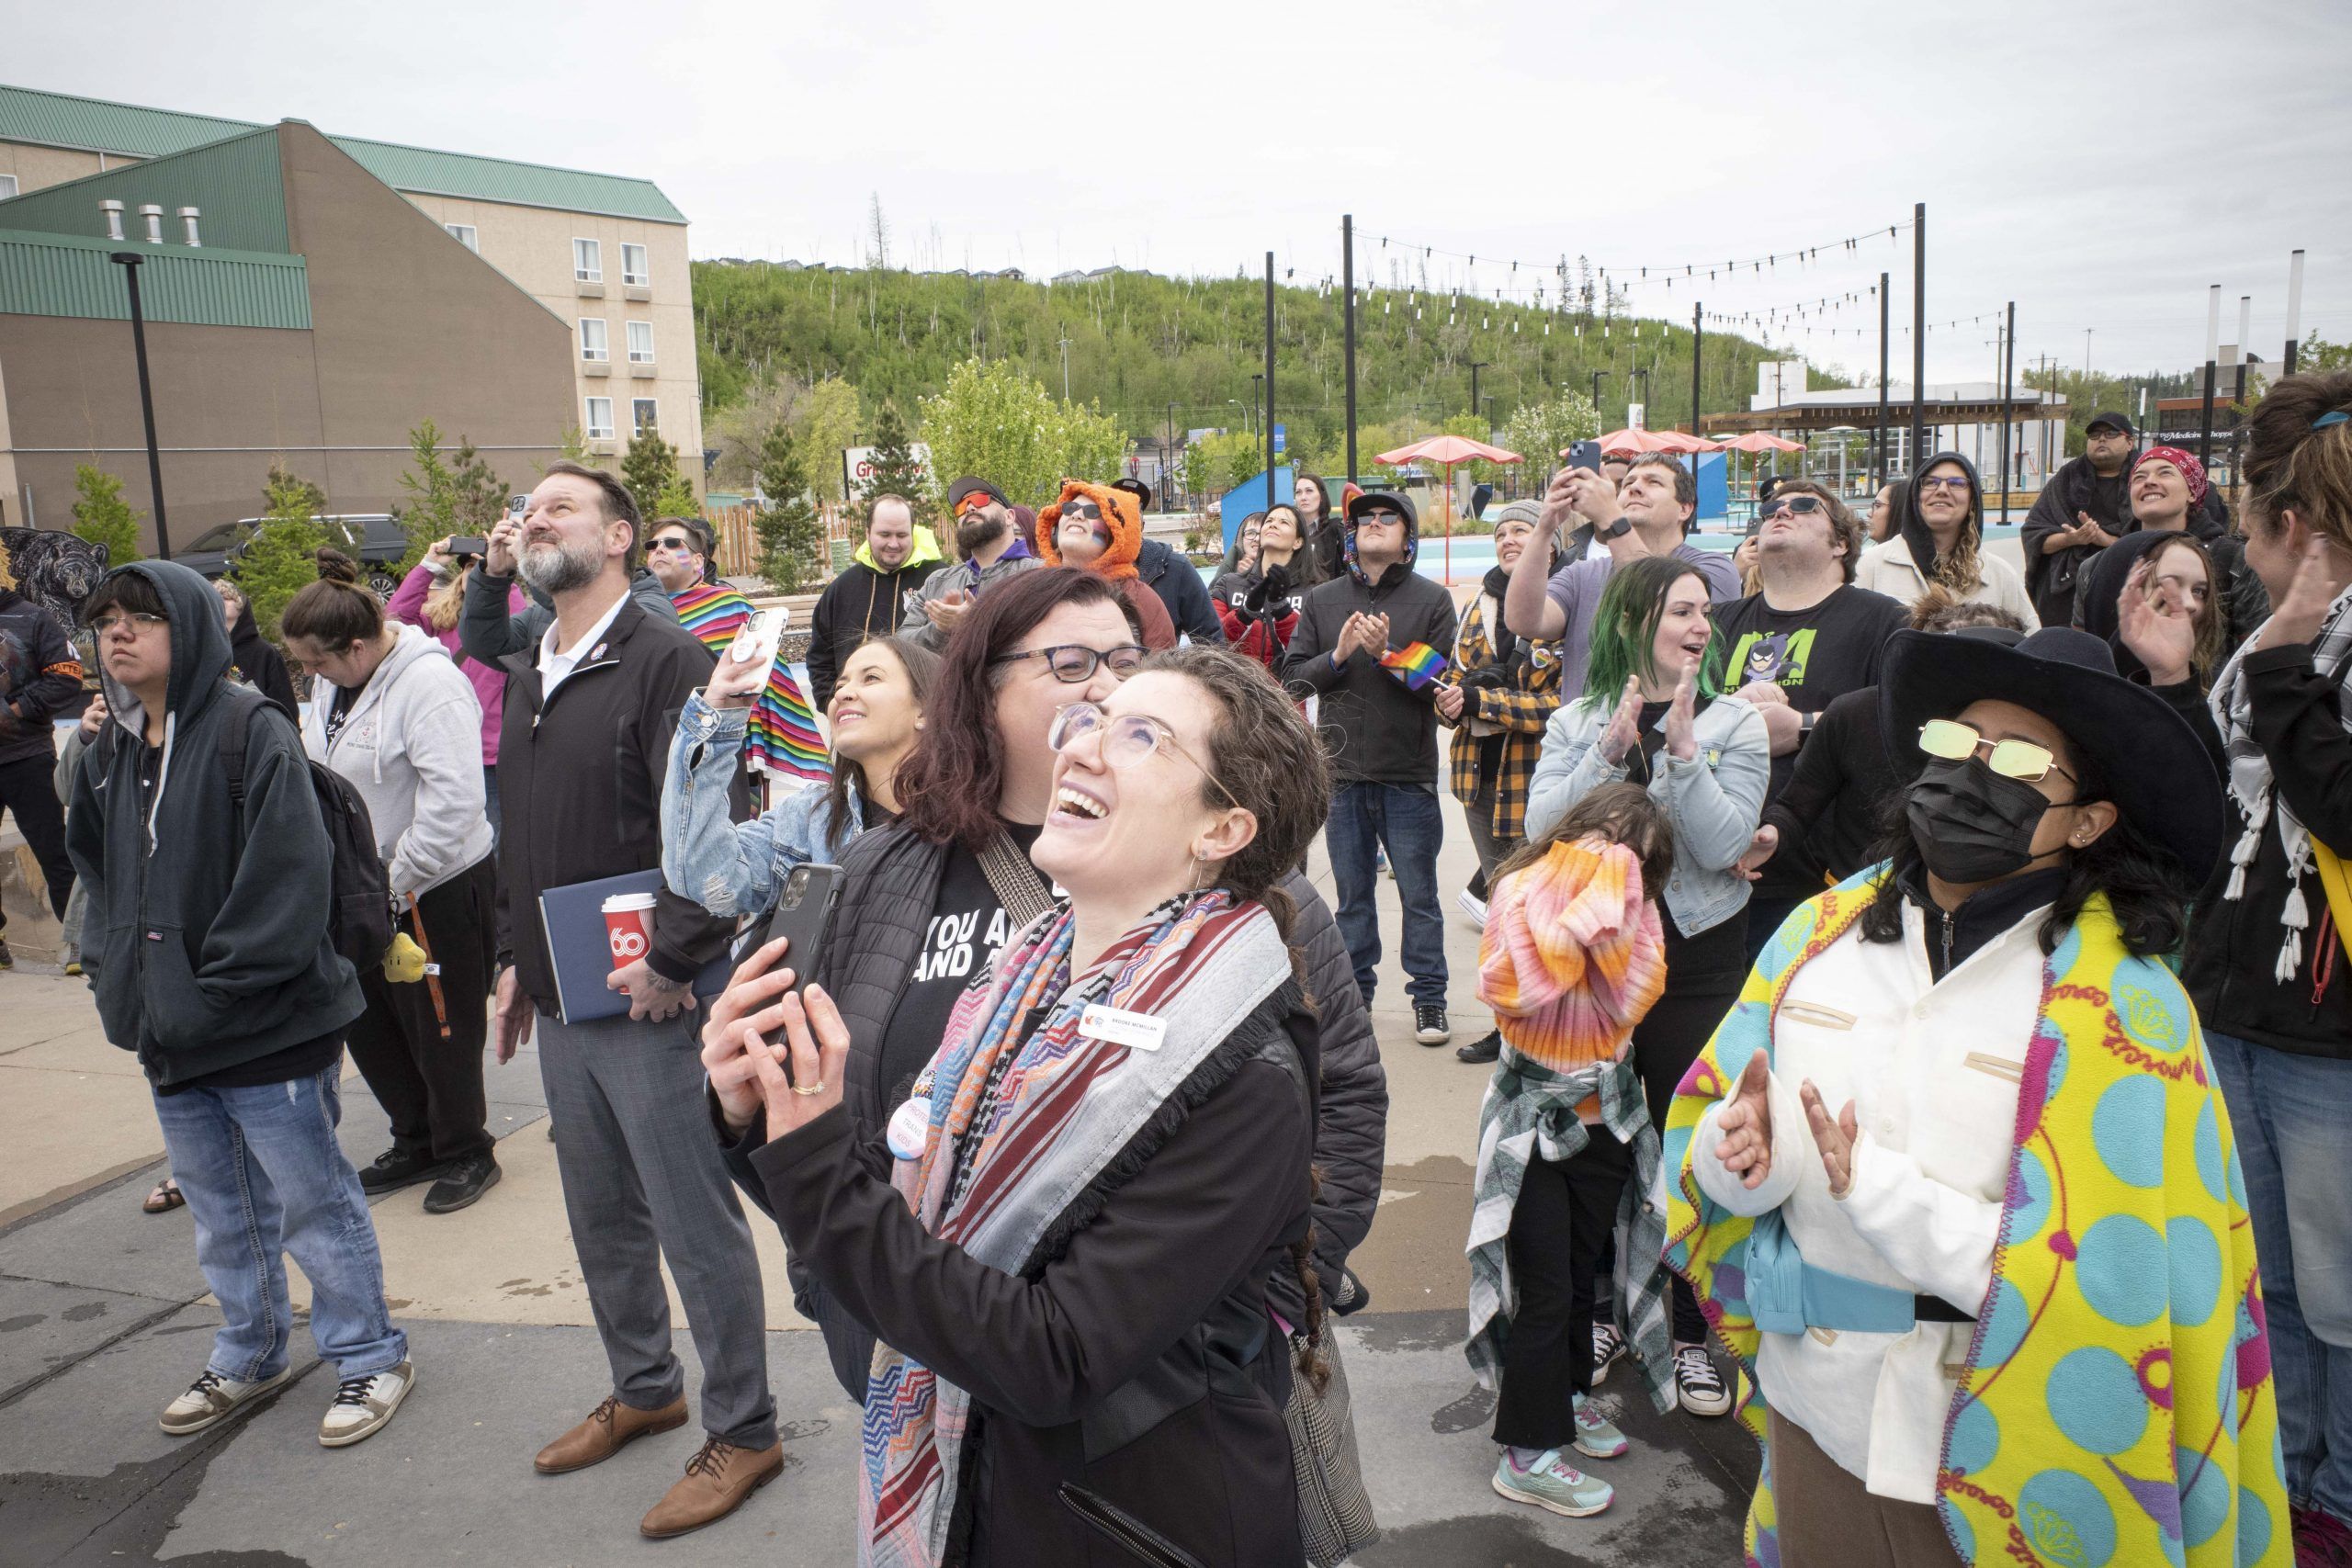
(362, 1404)
(210, 1398)
(1470, 904)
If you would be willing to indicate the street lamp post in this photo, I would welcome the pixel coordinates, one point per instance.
(1477, 366)
(130, 261)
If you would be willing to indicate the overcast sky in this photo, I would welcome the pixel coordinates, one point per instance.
(2100, 165)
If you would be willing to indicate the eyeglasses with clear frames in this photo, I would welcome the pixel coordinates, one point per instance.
(136, 620)
(1126, 739)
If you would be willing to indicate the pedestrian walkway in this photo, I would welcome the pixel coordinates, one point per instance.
(103, 1318)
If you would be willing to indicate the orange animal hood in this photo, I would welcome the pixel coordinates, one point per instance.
(1118, 511)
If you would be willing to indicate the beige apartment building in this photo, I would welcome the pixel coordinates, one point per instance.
(605, 255)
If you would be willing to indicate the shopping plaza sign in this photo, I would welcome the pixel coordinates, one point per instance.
(857, 465)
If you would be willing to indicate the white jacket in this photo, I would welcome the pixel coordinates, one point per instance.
(1932, 1069)
(411, 746)
(1887, 568)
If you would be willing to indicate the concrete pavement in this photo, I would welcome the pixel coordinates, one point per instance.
(104, 1317)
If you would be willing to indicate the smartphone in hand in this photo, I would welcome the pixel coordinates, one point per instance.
(1585, 455)
(468, 546)
(759, 636)
(804, 912)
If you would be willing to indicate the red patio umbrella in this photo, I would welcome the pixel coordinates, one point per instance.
(1757, 441)
(1683, 442)
(1630, 441)
(1448, 453)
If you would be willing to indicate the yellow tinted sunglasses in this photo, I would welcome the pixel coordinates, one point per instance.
(1955, 741)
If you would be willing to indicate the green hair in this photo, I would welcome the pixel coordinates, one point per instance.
(1625, 630)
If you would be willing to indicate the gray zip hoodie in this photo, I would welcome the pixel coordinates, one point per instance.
(411, 746)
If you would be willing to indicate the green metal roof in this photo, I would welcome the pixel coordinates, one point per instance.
(93, 125)
(428, 173)
(64, 275)
(58, 119)
(237, 183)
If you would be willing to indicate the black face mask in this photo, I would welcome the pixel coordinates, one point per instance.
(1971, 824)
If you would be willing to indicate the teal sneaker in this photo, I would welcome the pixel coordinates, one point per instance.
(1551, 1482)
(1597, 1437)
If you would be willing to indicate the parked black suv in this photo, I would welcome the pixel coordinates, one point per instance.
(374, 539)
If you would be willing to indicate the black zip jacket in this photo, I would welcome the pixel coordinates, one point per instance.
(860, 603)
(263, 668)
(1179, 585)
(1377, 729)
(40, 673)
(204, 939)
(2234, 945)
(1132, 1357)
(579, 789)
(488, 631)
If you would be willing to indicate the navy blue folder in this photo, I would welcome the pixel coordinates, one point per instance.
(582, 955)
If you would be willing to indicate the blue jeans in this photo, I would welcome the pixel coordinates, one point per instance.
(2289, 1113)
(265, 1180)
(1404, 819)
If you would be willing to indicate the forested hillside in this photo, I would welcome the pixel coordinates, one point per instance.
(1153, 351)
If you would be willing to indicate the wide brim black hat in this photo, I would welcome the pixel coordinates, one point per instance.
(2155, 770)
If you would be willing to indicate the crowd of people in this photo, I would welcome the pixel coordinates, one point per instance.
(1920, 1012)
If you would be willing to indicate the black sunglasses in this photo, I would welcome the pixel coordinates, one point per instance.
(1802, 505)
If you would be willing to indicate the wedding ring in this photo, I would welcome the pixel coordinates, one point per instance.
(812, 1089)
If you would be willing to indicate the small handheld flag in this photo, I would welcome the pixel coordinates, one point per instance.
(1416, 664)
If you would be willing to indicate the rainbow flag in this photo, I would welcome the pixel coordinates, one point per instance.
(1416, 664)
(782, 737)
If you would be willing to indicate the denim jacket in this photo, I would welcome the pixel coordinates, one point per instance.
(728, 867)
(1712, 801)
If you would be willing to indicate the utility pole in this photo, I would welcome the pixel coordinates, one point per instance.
(130, 261)
(1065, 342)
(1168, 459)
(2294, 307)
(1698, 340)
(2008, 379)
(1883, 464)
(1596, 377)
(1918, 331)
(1477, 366)
(1270, 379)
(1348, 279)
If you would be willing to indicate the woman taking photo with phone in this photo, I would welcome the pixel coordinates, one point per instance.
(1955, 1174)
(392, 715)
(736, 868)
(1064, 1242)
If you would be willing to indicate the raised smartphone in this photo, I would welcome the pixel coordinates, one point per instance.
(804, 912)
(758, 635)
(1585, 455)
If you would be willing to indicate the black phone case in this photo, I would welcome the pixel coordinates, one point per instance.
(806, 923)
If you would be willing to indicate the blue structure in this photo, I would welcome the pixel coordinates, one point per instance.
(1714, 485)
(1250, 496)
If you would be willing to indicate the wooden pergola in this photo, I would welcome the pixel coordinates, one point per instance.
(1863, 414)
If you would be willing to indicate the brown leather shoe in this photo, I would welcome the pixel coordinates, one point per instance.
(716, 1481)
(609, 1427)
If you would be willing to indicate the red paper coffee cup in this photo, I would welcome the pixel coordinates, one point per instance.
(629, 927)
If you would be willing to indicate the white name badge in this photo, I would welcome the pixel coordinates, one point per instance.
(1136, 1030)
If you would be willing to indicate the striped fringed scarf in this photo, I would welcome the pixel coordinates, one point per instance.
(2251, 786)
(1020, 1127)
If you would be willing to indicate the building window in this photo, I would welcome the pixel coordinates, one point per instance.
(644, 411)
(8, 187)
(594, 346)
(587, 261)
(640, 343)
(464, 234)
(600, 419)
(633, 267)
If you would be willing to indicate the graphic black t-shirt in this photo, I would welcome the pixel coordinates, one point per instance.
(967, 925)
(1813, 655)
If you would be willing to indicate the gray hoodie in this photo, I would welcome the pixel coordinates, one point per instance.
(410, 744)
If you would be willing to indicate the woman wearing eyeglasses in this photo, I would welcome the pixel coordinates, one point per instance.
(1063, 1240)
(1954, 1176)
(1939, 537)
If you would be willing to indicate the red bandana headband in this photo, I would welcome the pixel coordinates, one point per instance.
(2190, 468)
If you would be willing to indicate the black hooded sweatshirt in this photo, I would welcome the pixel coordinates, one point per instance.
(1376, 730)
(206, 932)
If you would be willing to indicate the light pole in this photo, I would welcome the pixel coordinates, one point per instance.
(130, 261)
(1597, 377)
(1477, 366)
(1348, 278)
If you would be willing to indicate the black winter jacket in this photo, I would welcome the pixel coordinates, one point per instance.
(205, 935)
(1376, 729)
(1178, 583)
(1132, 1357)
(2234, 945)
(488, 631)
(40, 673)
(858, 603)
(580, 788)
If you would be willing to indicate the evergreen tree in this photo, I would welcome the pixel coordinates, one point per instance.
(894, 470)
(787, 526)
(649, 468)
(102, 516)
(280, 553)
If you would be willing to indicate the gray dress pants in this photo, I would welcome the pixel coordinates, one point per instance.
(643, 1181)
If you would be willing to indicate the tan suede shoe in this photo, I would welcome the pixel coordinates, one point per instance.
(609, 1427)
(716, 1481)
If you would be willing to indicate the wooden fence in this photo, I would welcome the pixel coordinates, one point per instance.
(739, 546)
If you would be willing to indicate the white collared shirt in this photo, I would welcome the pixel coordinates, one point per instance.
(555, 666)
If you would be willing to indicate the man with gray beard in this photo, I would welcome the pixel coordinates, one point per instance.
(582, 749)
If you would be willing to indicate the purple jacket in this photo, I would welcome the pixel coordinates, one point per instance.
(490, 686)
